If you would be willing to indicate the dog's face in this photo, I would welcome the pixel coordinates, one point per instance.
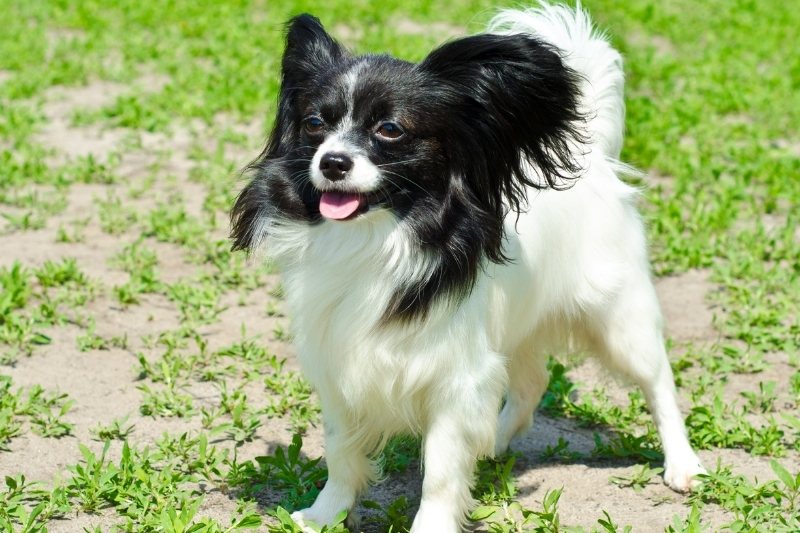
(372, 139)
(446, 145)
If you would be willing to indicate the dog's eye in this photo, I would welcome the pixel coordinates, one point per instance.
(313, 125)
(389, 131)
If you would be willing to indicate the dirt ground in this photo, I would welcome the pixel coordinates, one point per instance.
(103, 382)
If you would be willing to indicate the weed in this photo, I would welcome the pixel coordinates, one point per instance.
(756, 506)
(43, 410)
(494, 482)
(75, 234)
(764, 399)
(166, 401)
(116, 430)
(512, 517)
(393, 519)
(292, 397)
(198, 303)
(642, 475)
(92, 341)
(399, 453)
(171, 223)
(115, 218)
(299, 479)
(560, 452)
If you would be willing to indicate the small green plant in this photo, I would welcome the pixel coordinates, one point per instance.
(26, 221)
(117, 429)
(772, 505)
(724, 424)
(92, 341)
(635, 447)
(393, 519)
(169, 222)
(512, 517)
(292, 397)
(280, 333)
(399, 453)
(59, 274)
(140, 263)
(692, 523)
(75, 233)
(166, 401)
(559, 452)
(297, 478)
(26, 503)
(244, 423)
(198, 302)
(494, 482)
(115, 218)
(43, 410)
(642, 475)
(764, 399)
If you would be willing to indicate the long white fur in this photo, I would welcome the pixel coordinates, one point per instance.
(580, 280)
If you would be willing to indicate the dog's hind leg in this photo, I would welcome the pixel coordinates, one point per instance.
(528, 376)
(629, 340)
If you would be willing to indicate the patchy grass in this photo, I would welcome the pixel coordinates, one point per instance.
(126, 324)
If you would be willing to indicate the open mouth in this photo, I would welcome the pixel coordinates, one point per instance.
(337, 205)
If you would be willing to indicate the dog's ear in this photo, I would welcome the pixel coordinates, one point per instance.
(512, 99)
(309, 49)
(309, 52)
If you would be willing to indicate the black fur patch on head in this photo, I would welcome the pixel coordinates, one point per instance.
(474, 113)
(500, 101)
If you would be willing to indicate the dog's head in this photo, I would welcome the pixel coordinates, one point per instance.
(447, 145)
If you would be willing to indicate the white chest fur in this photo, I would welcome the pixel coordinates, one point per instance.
(339, 278)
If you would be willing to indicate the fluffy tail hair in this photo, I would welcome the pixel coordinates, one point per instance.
(586, 51)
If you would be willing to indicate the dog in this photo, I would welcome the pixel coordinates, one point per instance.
(440, 227)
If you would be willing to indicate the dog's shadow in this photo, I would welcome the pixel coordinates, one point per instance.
(289, 477)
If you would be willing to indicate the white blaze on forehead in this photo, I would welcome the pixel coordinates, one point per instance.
(350, 81)
(364, 176)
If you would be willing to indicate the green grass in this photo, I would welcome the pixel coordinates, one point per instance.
(713, 101)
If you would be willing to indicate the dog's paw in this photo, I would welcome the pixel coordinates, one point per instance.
(305, 522)
(432, 518)
(310, 521)
(682, 476)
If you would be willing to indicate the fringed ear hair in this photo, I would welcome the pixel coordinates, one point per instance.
(309, 49)
(513, 100)
(309, 52)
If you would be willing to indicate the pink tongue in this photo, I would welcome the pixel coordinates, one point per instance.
(337, 205)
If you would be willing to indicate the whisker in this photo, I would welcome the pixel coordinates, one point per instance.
(389, 172)
(399, 162)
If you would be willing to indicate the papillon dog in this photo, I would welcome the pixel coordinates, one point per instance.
(441, 227)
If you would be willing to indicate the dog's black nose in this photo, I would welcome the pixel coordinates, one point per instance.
(335, 166)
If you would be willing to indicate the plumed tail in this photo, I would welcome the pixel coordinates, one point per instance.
(586, 51)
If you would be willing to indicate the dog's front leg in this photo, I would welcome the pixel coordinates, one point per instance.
(349, 472)
(461, 431)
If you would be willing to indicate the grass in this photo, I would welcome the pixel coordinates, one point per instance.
(122, 256)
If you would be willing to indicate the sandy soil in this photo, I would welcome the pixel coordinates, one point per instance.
(103, 383)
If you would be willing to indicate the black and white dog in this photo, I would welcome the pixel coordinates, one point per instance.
(443, 226)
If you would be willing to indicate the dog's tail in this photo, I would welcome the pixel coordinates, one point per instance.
(586, 51)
